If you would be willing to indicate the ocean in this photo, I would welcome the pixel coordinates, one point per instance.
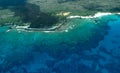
(87, 45)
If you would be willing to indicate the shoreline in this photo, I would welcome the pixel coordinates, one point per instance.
(96, 15)
(51, 29)
(56, 27)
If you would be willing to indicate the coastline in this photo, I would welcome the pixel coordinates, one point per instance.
(96, 15)
(56, 27)
(26, 28)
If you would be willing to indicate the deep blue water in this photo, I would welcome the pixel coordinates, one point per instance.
(7, 3)
(89, 46)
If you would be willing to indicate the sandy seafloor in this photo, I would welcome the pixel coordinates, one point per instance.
(89, 45)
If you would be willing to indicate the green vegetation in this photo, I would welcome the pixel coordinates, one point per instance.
(84, 7)
(7, 17)
(10, 20)
(45, 13)
(30, 13)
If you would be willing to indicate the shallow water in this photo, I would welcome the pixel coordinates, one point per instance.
(89, 46)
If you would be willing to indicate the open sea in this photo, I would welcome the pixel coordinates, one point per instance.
(84, 46)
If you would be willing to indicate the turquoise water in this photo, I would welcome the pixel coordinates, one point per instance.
(89, 46)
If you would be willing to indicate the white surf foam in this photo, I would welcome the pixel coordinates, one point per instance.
(99, 14)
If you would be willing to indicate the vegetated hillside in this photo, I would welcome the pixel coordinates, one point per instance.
(78, 5)
(41, 13)
(31, 13)
(75, 6)
(25, 13)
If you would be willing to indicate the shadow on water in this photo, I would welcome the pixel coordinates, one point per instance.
(7, 3)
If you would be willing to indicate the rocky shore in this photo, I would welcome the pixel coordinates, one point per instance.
(60, 25)
(45, 14)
